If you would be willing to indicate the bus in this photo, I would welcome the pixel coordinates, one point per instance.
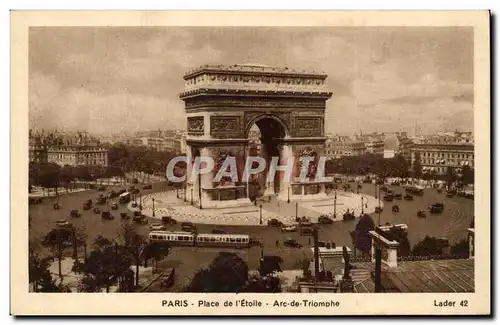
(125, 197)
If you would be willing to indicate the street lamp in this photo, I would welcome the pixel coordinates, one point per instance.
(376, 191)
(260, 220)
(296, 210)
(192, 195)
(288, 194)
(357, 189)
(177, 192)
(153, 199)
(335, 205)
(185, 194)
(362, 210)
(140, 201)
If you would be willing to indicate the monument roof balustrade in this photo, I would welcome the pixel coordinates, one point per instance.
(252, 68)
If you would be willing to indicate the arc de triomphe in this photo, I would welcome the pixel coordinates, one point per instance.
(223, 102)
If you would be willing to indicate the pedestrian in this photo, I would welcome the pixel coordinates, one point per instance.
(277, 243)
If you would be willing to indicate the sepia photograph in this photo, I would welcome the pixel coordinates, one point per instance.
(315, 163)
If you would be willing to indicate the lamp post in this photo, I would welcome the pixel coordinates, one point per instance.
(379, 209)
(288, 194)
(357, 188)
(140, 201)
(185, 192)
(376, 191)
(362, 210)
(177, 192)
(260, 220)
(192, 195)
(296, 210)
(335, 205)
(153, 200)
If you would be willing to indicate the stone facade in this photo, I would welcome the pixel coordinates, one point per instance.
(222, 103)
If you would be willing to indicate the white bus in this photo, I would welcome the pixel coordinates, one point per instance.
(125, 197)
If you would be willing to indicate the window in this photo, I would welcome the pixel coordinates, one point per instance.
(232, 240)
(238, 240)
(212, 239)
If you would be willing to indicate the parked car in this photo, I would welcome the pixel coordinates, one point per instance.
(114, 206)
(157, 226)
(421, 214)
(395, 208)
(147, 187)
(75, 214)
(219, 232)
(168, 220)
(274, 223)
(96, 210)
(288, 228)
(124, 215)
(292, 243)
(106, 215)
(408, 197)
(188, 226)
(325, 220)
(62, 223)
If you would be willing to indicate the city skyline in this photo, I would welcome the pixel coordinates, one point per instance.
(113, 80)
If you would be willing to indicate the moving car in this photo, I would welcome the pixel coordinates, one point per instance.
(436, 208)
(168, 220)
(96, 210)
(395, 208)
(398, 196)
(101, 188)
(306, 231)
(114, 206)
(450, 194)
(188, 226)
(147, 187)
(288, 228)
(274, 223)
(106, 215)
(292, 243)
(157, 226)
(62, 223)
(388, 197)
(124, 215)
(56, 206)
(325, 220)
(421, 214)
(378, 209)
(75, 214)
(140, 219)
(348, 216)
(112, 194)
(408, 197)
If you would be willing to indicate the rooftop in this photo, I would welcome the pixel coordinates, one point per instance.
(452, 275)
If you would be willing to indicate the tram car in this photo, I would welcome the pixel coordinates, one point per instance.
(184, 238)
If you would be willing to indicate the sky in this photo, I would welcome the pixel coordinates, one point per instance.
(122, 79)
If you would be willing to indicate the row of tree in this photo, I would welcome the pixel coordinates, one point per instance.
(108, 263)
(429, 246)
(369, 164)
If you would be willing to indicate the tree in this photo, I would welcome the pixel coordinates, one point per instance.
(48, 175)
(39, 273)
(105, 266)
(429, 246)
(467, 175)
(417, 166)
(461, 249)
(155, 251)
(79, 238)
(362, 240)
(59, 239)
(227, 273)
(270, 264)
(401, 236)
(134, 244)
(66, 175)
(450, 177)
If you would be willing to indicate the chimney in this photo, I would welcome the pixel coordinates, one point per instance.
(316, 254)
